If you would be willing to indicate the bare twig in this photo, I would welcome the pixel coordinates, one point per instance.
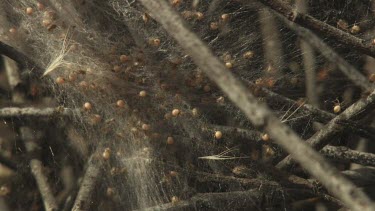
(334, 127)
(15, 112)
(230, 180)
(320, 27)
(362, 177)
(47, 195)
(273, 97)
(93, 173)
(347, 69)
(347, 155)
(20, 58)
(14, 80)
(8, 163)
(37, 169)
(258, 113)
(27, 134)
(252, 199)
(308, 63)
(234, 132)
(271, 40)
(305, 203)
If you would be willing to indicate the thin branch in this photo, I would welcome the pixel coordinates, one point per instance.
(15, 112)
(318, 26)
(334, 127)
(30, 140)
(272, 46)
(36, 166)
(20, 58)
(230, 180)
(93, 173)
(42, 182)
(252, 199)
(347, 69)
(308, 62)
(246, 180)
(257, 113)
(362, 177)
(8, 163)
(293, 186)
(14, 80)
(273, 97)
(234, 132)
(347, 155)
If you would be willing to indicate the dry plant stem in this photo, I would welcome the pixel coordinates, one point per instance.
(251, 199)
(301, 187)
(347, 69)
(229, 131)
(14, 80)
(8, 163)
(362, 177)
(309, 66)
(271, 40)
(284, 179)
(230, 180)
(15, 112)
(308, 62)
(318, 26)
(271, 96)
(41, 180)
(334, 127)
(13, 77)
(93, 173)
(257, 113)
(32, 146)
(36, 166)
(20, 58)
(347, 155)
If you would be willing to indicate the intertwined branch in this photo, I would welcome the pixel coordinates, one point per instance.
(325, 29)
(257, 113)
(338, 183)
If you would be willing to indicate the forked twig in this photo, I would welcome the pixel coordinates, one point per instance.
(326, 134)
